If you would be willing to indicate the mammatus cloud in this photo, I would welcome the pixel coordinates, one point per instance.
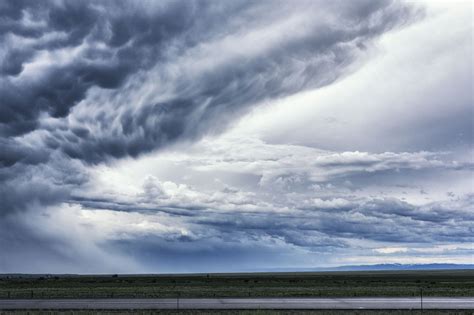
(152, 79)
(112, 116)
(90, 81)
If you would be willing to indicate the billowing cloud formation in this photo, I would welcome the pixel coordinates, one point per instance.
(204, 67)
(114, 130)
(203, 70)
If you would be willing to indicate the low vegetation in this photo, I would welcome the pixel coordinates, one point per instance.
(324, 284)
(247, 312)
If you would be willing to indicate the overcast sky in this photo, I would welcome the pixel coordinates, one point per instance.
(205, 136)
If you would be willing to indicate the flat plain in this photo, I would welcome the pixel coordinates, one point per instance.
(237, 312)
(440, 283)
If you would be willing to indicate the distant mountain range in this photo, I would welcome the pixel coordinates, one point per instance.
(377, 267)
(402, 267)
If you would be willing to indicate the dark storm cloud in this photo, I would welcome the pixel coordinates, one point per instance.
(53, 26)
(29, 181)
(75, 82)
(13, 152)
(210, 99)
(115, 38)
(53, 53)
(119, 38)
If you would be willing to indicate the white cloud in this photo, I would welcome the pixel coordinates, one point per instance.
(391, 250)
(406, 97)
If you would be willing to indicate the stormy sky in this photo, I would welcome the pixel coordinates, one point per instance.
(212, 136)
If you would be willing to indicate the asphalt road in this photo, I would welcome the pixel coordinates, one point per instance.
(262, 303)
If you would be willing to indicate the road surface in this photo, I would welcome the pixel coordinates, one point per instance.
(237, 303)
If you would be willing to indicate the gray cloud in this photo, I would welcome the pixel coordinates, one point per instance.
(99, 30)
(299, 219)
(220, 237)
(114, 40)
(85, 85)
(56, 55)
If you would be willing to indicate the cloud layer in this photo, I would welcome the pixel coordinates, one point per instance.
(145, 134)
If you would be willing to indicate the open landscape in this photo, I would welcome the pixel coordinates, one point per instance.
(446, 283)
(240, 312)
(236, 157)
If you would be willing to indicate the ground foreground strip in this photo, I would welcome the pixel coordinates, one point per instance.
(446, 283)
(254, 303)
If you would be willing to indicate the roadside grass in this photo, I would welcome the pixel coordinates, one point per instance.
(325, 284)
(245, 312)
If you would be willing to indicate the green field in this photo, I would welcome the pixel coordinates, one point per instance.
(323, 284)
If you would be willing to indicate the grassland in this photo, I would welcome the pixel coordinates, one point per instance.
(246, 312)
(326, 284)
